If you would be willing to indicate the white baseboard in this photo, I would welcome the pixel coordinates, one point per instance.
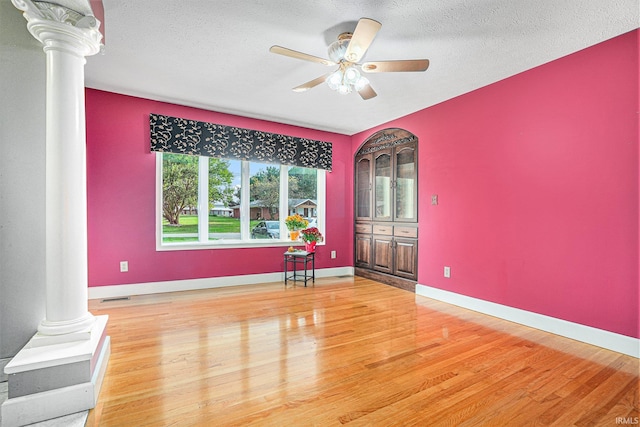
(601, 338)
(116, 291)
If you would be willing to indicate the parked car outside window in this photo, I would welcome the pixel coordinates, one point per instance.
(266, 230)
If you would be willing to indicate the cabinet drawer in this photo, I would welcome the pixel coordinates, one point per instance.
(385, 230)
(363, 228)
(406, 232)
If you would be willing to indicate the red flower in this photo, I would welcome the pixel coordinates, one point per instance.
(311, 234)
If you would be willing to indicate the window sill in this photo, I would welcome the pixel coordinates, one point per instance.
(229, 244)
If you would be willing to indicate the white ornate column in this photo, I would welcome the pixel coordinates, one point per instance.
(68, 37)
(60, 370)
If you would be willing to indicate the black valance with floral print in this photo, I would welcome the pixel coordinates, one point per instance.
(182, 136)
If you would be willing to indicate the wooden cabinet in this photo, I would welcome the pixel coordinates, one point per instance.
(383, 253)
(363, 250)
(386, 205)
(395, 250)
(406, 251)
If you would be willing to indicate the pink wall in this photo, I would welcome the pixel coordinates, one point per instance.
(537, 179)
(121, 198)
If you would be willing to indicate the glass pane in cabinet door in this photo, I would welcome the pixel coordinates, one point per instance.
(405, 184)
(363, 190)
(383, 186)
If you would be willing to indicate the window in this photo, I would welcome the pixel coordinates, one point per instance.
(210, 202)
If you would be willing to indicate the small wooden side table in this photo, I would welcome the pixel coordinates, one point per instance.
(300, 257)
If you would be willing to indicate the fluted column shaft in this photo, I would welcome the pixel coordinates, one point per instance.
(68, 38)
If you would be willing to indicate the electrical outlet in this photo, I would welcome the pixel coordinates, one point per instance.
(124, 266)
(333, 254)
(447, 272)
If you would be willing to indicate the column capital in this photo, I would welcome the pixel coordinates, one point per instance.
(58, 27)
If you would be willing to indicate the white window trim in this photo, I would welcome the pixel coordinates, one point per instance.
(245, 242)
(284, 208)
(203, 199)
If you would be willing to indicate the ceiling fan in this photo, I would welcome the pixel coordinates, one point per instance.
(346, 52)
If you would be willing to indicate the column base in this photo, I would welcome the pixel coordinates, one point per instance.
(50, 381)
(69, 330)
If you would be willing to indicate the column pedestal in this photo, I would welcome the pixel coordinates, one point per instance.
(48, 380)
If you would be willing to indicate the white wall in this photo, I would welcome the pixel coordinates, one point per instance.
(22, 183)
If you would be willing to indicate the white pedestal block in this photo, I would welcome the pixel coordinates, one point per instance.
(49, 381)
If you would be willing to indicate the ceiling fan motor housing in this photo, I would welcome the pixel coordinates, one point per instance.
(338, 48)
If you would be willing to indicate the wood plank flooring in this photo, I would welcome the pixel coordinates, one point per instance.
(347, 351)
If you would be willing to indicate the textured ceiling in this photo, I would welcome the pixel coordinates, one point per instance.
(215, 54)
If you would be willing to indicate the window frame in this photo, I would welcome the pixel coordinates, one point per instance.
(245, 240)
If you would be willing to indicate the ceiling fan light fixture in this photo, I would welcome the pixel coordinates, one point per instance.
(351, 75)
(344, 89)
(361, 83)
(346, 79)
(335, 80)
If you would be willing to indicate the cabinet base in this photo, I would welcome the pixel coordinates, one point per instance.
(387, 279)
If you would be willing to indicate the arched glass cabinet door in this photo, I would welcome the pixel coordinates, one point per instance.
(406, 188)
(363, 188)
(383, 191)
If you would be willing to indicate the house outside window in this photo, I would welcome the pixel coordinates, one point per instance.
(306, 208)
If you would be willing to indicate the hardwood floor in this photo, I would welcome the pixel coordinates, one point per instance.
(347, 351)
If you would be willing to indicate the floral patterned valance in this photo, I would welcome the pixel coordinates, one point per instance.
(182, 136)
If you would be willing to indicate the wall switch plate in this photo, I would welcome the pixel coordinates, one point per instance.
(447, 272)
(434, 199)
(333, 254)
(124, 266)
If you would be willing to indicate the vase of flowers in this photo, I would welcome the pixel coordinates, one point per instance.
(310, 236)
(294, 224)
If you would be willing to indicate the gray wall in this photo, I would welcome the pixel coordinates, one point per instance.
(22, 183)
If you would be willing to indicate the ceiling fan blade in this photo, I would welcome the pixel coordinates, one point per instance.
(361, 39)
(393, 66)
(367, 92)
(299, 55)
(311, 84)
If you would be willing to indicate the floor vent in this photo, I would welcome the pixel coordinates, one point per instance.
(115, 299)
